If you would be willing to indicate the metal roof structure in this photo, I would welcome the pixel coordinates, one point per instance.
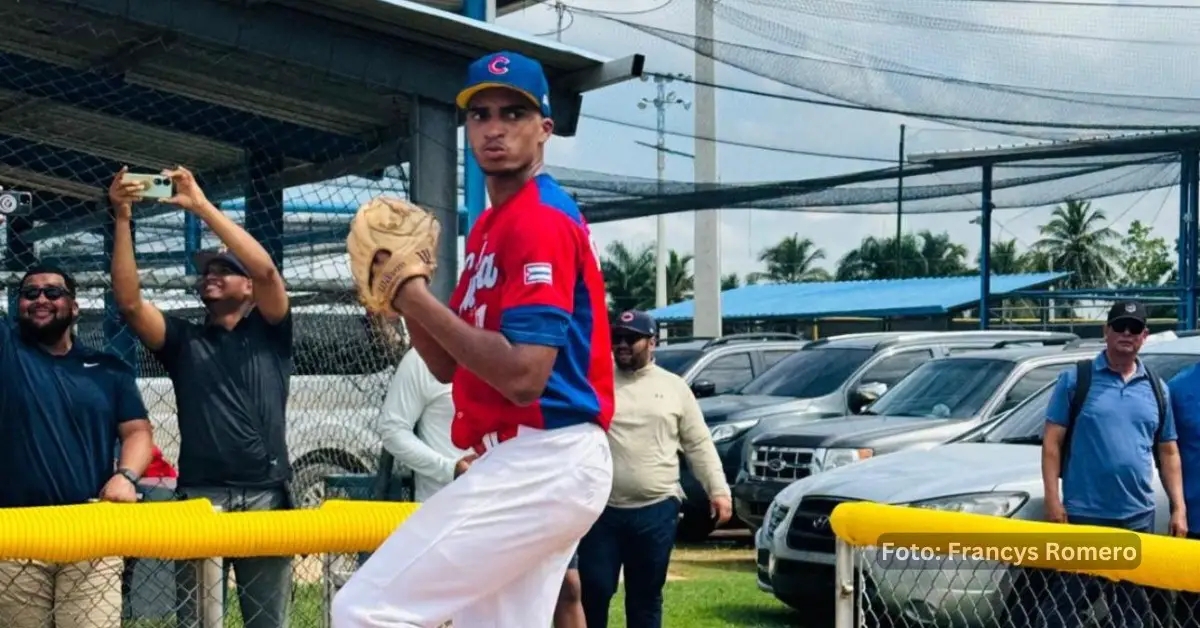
(1119, 144)
(887, 298)
(326, 86)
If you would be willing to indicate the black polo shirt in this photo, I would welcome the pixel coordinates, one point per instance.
(231, 391)
(58, 421)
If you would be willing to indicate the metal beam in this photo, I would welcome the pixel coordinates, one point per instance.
(297, 37)
(112, 95)
(603, 75)
(1143, 143)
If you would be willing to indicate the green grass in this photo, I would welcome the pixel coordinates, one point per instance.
(713, 587)
(707, 587)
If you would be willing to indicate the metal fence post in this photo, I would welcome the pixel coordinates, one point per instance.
(844, 593)
(210, 585)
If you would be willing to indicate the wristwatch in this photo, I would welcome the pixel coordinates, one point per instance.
(129, 475)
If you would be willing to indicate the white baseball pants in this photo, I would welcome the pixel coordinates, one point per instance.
(489, 550)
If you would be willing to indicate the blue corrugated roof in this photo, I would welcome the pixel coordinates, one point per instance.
(926, 296)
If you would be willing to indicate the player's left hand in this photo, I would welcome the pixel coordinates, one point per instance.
(120, 490)
(188, 194)
(722, 509)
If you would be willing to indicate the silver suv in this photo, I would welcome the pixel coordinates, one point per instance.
(994, 470)
(716, 366)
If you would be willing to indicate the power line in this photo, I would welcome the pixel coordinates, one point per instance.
(766, 147)
(938, 116)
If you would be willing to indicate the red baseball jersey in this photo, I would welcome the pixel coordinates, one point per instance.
(532, 273)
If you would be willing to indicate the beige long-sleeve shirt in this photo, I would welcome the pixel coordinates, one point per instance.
(656, 416)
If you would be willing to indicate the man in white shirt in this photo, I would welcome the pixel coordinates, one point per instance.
(414, 424)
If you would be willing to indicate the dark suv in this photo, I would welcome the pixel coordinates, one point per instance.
(938, 401)
(832, 377)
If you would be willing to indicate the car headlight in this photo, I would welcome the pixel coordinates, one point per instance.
(833, 458)
(729, 431)
(994, 504)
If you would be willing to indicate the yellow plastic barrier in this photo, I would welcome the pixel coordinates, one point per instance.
(1166, 562)
(192, 529)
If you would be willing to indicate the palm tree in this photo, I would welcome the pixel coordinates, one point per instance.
(1075, 241)
(628, 276)
(941, 256)
(792, 260)
(680, 281)
(729, 282)
(1007, 259)
(875, 258)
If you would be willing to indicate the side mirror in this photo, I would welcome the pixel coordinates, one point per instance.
(704, 388)
(865, 395)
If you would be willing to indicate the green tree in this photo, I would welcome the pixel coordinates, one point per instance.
(680, 281)
(792, 260)
(730, 281)
(923, 254)
(1007, 259)
(1075, 241)
(628, 276)
(1146, 260)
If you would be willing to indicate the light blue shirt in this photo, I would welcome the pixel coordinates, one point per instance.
(1110, 471)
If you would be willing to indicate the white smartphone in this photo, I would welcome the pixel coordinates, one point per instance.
(155, 186)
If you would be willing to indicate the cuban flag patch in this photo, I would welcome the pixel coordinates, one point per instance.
(539, 273)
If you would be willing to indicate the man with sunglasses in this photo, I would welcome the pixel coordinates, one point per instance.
(656, 416)
(1105, 446)
(231, 374)
(65, 408)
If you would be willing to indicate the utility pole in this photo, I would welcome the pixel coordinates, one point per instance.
(899, 203)
(560, 9)
(706, 321)
(661, 101)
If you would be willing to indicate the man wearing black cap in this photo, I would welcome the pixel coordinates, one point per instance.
(230, 374)
(63, 408)
(656, 417)
(1103, 418)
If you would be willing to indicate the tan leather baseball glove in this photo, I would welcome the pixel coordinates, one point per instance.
(391, 241)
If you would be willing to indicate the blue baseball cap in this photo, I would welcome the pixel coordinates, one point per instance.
(637, 322)
(205, 258)
(507, 70)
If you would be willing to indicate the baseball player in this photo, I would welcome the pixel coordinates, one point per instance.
(526, 344)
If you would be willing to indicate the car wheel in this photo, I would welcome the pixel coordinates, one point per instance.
(694, 527)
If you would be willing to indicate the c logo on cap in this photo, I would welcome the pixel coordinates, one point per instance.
(499, 65)
(1131, 308)
(626, 317)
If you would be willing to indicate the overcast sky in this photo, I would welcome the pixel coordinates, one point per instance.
(1038, 61)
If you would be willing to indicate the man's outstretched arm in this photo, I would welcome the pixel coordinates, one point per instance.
(143, 318)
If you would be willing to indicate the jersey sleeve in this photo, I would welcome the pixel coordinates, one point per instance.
(540, 266)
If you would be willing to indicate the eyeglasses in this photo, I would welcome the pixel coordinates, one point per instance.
(1122, 325)
(628, 339)
(53, 293)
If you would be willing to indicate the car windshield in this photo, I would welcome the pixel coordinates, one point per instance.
(1026, 422)
(676, 360)
(808, 373)
(953, 388)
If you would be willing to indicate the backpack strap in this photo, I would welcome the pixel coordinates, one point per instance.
(1083, 382)
(1156, 385)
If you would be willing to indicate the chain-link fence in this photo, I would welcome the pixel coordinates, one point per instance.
(964, 570)
(288, 592)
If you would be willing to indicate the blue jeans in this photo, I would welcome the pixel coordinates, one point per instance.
(640, 540)
(1071, 594)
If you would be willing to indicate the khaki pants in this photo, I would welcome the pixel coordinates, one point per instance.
(86, 594)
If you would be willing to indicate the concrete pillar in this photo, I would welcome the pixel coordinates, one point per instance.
(433, 181)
